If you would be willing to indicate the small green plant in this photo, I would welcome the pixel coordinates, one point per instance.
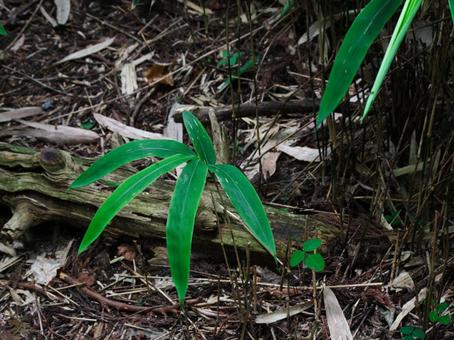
(234, 61)
(308, 256)
(186, 197)
(436, 316)
(362, 33)
(412, 333)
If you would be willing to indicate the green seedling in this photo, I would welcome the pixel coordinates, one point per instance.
(412, 333)
(185, 199)
(436, 316)
(308, 256)
(233, 60)
(451, 7)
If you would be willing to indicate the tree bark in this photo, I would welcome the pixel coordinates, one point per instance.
(35, 186)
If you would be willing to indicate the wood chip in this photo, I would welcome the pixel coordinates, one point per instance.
(20, 113)
(58, 134)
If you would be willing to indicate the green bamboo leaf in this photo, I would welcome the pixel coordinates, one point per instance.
(296, 258)
(451, 7)
(314, 262)
(311, 245)
(3, 30)
(127, 190)
(199, 137)
(180, 223)
(364, 30)
(247, 203)
(406, 17)
(127, 153)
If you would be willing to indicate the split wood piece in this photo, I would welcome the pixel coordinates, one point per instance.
(39, 181)
(251, 109)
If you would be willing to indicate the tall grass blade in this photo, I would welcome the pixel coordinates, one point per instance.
(451, 7)
(180, 223)
(127, 153)
(364, 30)
(406, 17)
(247, 203)
(127, 190)
(199, 137)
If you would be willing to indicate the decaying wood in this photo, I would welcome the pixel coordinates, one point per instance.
(251, 109)
(35, 186)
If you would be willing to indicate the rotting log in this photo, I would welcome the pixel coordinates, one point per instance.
(35, 186)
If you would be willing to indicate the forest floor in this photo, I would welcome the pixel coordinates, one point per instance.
(114, 74)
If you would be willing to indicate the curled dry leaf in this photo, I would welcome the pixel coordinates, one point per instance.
(159, 73)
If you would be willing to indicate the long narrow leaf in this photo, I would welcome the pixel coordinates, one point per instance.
(127, 153)
(451, 7)
(180, 223)
(364, 30)
(406, 17)
(127, 190)
(199, 137)
(247, 203)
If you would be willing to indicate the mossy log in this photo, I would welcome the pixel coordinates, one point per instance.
(34, 185)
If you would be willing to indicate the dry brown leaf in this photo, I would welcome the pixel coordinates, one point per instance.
(337, 323)
(20, 113)
(159, 73)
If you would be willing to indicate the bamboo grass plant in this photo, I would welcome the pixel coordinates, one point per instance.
(186, 197)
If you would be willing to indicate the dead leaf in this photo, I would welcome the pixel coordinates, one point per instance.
(58, 134)
(125, 130)
(63, 11)
(301, 153)
(269, 164)
(337, 323)
(282, 313)
(407, 308)
(88, 50)
(159, 73)
(127, 251)
(19, 43)
(47, 16)
(403, 281)
(20, 113)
